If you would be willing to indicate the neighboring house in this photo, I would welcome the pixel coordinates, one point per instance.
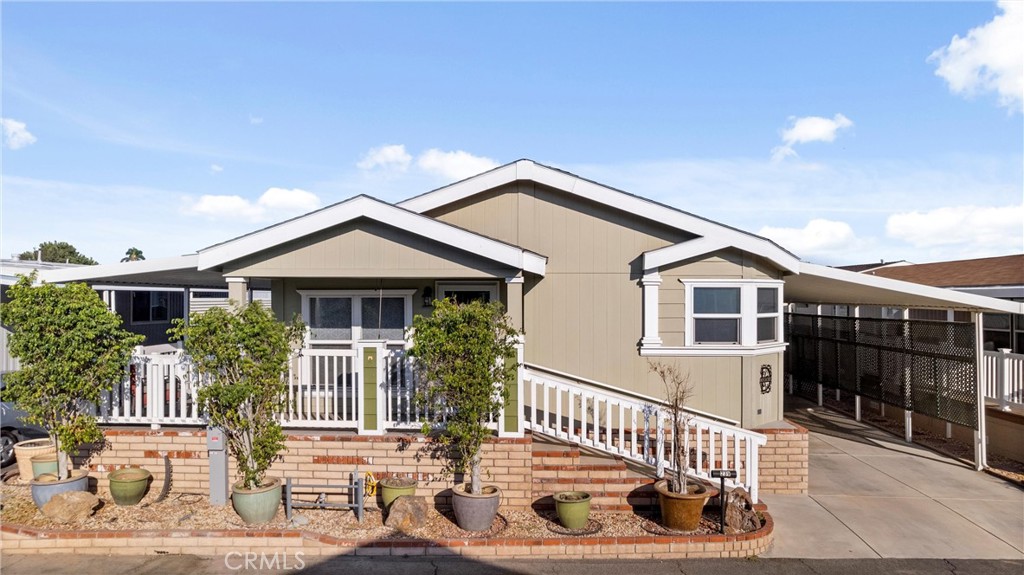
(998, 277)
(599, 280)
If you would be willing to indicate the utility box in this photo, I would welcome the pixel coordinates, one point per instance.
(217, 450)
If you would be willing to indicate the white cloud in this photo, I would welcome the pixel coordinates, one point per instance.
(255, 120)
(819, 237)
(990, 58)
(457, 165)
(969, 229)
(294, 200)
(216, 168)
(390, 157)
(275, 204)
(16, 134)
(809, 129)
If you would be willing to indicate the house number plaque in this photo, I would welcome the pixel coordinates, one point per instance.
(766, 379)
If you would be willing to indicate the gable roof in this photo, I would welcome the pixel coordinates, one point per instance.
(371, 208)
(860, 268)
(981, 272)
(719, 234)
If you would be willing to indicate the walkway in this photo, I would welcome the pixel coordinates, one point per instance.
(872, 495)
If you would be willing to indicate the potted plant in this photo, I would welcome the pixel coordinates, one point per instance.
(573, 508)
(72, 349)
(465, 357)
(681, 502)
(128, 485)
(392, 488)
(242, 356)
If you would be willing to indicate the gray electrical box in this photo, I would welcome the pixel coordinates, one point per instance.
(215, 445)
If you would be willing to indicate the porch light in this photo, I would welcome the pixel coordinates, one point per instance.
(428, 297)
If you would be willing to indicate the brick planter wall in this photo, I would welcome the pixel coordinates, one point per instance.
(611, 485)
(783, 461)
(312, 456)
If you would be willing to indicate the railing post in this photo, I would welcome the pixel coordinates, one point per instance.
(371, 414)
(1003, 378)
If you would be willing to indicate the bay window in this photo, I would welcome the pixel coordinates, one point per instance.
(741, 313)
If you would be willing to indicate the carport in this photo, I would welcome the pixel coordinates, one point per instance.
(855, 334)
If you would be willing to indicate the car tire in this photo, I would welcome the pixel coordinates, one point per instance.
(7, 441)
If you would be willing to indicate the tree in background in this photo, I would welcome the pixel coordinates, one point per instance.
(133, 255)
(58, 252)
(72, 348)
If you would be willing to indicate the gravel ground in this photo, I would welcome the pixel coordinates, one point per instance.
(193, 512)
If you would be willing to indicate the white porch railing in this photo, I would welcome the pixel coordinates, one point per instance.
(1003, 377)
(159, 389)
(398, 392)
(638, 430)
(324, 389)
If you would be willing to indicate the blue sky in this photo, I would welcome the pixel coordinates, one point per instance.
(848, 132)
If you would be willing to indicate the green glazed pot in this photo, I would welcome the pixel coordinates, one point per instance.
(573, 508)
(46, 463)
(258, 505)
(128, 486)
(392, 488)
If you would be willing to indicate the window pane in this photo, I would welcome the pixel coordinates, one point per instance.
(140, 306)
(390, 324)
(716, 300)
(707, 330)
(996, 320)
(158, 312)
(768, 300)
(330, 318)
(466, 296)
(765, 329)
(996, 340)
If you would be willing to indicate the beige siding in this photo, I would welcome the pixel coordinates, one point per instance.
(585, 317)
(365, 249)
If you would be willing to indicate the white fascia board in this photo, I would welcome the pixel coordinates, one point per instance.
(110, 271)
(529, 170)
(947, 296)
(681, 251)
(364, 206)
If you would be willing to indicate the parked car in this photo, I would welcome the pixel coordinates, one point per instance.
(13, 428)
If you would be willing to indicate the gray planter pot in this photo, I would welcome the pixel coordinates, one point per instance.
(46, 486)
(476, 512)
(258, 505)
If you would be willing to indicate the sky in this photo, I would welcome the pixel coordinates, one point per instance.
(846, 132)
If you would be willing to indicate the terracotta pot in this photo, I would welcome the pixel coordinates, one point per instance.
(24, 451)
(682, 511)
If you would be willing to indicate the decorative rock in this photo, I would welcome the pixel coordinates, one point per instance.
(407, 513)
(299, 520)
(71, 507)
(739, 511)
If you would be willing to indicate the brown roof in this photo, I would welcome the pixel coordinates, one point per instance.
(998, 271)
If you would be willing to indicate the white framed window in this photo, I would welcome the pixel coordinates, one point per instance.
(347, 316)
(741, 313)
(465, 291)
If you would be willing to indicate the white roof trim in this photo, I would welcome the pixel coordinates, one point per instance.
(87, 273)
(952, 298)
(529, 170)
(365, 206)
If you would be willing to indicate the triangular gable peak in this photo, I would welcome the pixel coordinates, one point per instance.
(713, 234)
(373, 209)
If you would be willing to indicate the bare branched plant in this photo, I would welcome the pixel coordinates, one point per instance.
(678, 391)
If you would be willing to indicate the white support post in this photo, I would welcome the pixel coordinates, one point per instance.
(908, 426)
(856, 407)
(949, 430)
(856, 326)
(821, 399)
(651, 282)
(980, 434)
(1003, 378)
(238, 290)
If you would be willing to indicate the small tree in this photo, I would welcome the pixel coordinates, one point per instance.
(678, 390)
(244, 353)
(72, 349)
(58, 252)
(133, 255)
(466, 359)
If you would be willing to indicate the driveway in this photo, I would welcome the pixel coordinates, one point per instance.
(871, 495)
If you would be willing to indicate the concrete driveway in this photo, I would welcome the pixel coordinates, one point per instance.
(871, 495)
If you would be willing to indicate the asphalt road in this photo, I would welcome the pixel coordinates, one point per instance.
(192, 565)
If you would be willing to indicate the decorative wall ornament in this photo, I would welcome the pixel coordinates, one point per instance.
(766, 379)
